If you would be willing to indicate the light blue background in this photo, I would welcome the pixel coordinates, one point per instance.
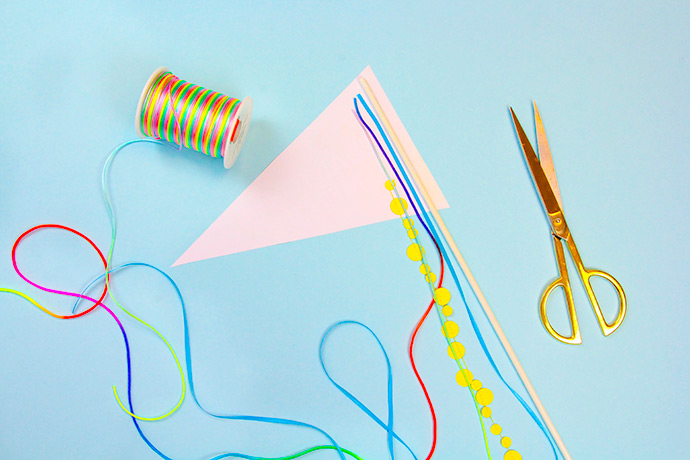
(611, 80)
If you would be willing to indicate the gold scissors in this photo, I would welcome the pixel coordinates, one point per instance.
(544, 176)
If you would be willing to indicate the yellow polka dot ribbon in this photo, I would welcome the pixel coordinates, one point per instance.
(482, 396)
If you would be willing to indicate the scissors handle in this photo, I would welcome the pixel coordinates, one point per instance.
(562, 281)
(606, 327)
(586, 276)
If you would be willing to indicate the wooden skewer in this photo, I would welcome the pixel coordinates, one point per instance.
(466, 271)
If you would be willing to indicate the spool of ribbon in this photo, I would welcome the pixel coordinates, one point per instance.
(191, 116)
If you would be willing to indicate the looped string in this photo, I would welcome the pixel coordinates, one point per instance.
(190, 376)
(386, 426)
(56, 291)
(95, 304)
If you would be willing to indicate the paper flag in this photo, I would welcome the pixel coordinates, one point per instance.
(325, 181)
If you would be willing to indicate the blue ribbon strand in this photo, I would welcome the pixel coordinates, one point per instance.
(386, 426)
(391, 435)
(188, 362)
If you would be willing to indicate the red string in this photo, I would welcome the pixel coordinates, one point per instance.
(414, 367)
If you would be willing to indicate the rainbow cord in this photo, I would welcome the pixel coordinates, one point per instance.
(186, 114)
(128, 354)
(387, 426)
(188, 359)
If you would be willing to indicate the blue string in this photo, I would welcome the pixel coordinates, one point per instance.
(188, 361)
(113, 223)
(386, 426)
(424, 216)
(113, 226)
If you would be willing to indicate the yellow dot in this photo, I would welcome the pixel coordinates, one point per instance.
(390, 184)
(431, 278)
(476, 385)
(485, 396)
(463, 377)
(399, 206)
(456, 350)
(442, 296)
(424, 269)
(408, 223)
(450, 329)
(447, 310)
(415, 252)
(412, 233)
(506, 441)
(486, 411)
(512, 455)
(496, 429)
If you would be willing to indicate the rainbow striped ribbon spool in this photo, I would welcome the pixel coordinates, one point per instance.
(189, 115)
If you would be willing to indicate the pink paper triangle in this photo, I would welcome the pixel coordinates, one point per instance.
(326, 181)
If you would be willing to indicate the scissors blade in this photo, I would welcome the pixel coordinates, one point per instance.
(548, 198)
(544, 153)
